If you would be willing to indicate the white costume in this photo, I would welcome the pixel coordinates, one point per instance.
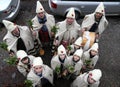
(89, 20)
(23, 68)
(68, 32)
(81, 81)
(25, 35)
(86, 55)
(47, 73)
(77, 65)
(55, 62)
(49, 23)
(78, 42)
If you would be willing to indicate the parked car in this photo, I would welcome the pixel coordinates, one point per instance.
(9, 9)
(83, 7)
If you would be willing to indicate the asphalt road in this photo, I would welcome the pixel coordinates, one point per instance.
(109, 61)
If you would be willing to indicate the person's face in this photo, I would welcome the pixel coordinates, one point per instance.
(16, 32)
(62, 56)
(98, 15)
(91, 80)
(25, 60)
(76, 58)
(70, 21)
(41, 14)
(93, 52)
(38, 69)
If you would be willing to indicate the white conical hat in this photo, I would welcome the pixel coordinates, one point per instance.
(95, 47)
(95, 74)
(71, 13)
(37, 62)
(78, 41)
(61, 50)
(79, 52)
(9, 25)
(39, 7)
(21, 54)
(100, 8)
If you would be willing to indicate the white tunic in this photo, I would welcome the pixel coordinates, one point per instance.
(67, 32)
(46, 73)
(49, 24)
(26, 36)
(22, 67)
(81, 81)
(86, 56)
(89, 20)
(77, 66)
(55, 62)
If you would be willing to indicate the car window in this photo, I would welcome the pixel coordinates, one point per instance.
(94, 0)
(81, 0)
(111, 0)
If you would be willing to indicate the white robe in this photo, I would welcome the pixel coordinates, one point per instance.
(49, 24)
(26, 36)
(46, 73)
(22, 67)
(55, 62)
(73, 49)
(89, 20)
(66, 32)
(81, 81)
(86, 56)
(77, 66)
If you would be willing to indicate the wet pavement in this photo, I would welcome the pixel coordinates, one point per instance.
(109, 61)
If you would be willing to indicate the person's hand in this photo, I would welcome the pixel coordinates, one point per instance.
(11, 54)
(56, 42)
(83, 30)
(52, 34)
(34, 33)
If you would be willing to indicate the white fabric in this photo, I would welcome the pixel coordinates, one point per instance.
(94, 47)
(49, 24)
(61, 50)
(86, 56)
(67, 32)
(81, 81)
(77, 66)
(79, 52)
(22, 67)
(71, 13)
(46, 73)
(87, 36)
(78, 41)
(9, 25)
(55, 62)
(100, 8)
(21, 54)
(89, 20)
(26, 36)
(96, 74)
(39, 7)
(37, 62)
